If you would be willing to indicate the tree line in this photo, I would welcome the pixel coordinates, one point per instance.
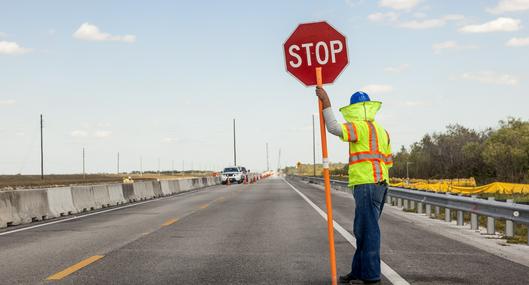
(500, 154)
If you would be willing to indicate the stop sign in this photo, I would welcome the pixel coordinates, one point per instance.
(314, 45)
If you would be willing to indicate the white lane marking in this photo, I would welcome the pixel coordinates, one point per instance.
(387, 271)
(96, 213)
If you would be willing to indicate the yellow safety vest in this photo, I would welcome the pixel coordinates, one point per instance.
(369, 144)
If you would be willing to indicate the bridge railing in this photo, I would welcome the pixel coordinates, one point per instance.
(424, 201)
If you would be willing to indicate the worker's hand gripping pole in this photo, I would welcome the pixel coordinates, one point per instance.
(327, 182)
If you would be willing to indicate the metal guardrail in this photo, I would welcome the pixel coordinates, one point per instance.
(423, 201)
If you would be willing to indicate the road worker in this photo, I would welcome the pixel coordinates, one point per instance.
(369, 161)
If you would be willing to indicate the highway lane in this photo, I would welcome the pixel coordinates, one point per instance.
(421, 256)
(262, 233)
(30, 256)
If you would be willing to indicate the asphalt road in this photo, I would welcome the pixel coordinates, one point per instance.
(263, 233)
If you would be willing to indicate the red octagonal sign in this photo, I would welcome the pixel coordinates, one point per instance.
(314, 45)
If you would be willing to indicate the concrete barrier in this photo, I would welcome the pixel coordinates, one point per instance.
(60, 201)
(157, 189)
(83, 198)
(143, 190)
(128, 193)
(6, 209)
(175, 186)
(167, 187)
(115, 194)
(24, 206)
(101, 196)
(30, 205)
(196, 183)
(185, 184)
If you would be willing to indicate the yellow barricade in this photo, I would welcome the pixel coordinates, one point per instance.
(462, 186)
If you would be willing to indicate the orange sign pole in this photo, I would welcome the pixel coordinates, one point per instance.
(327, 182)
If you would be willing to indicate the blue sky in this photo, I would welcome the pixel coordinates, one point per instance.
(164, 79)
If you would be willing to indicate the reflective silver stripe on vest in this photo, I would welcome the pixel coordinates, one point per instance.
(373, 146)
(350, 131)
(378, 171)
(370, 156)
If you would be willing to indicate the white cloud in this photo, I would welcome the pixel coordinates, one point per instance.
(3, 35)
(102, 134)
(78, 133)
(377, 88)
(491, 77)
(499, 25)
(89, 32)
(399, 4)
(450, 45)
(12, 48)
(431, 23)
(7, 102)
(518, 42)
(383, 17)
(397, 69)
(509, 6)
(423, 24)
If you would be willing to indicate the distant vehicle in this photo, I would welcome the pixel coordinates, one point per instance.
(233, 174)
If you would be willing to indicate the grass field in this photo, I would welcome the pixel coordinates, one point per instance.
(8, 182)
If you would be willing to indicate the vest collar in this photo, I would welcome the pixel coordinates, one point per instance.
(363, 111)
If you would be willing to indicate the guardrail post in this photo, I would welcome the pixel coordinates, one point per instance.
(399, 202)
(491, 226)
(448, 215)
(474, 219)
(388, 199)
(509, 225)
(428, 210)
(412, 205)
(437, 211)
(420, 208)
(460, 220)
(406, 204)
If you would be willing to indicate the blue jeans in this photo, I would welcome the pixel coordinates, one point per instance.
(369, 199)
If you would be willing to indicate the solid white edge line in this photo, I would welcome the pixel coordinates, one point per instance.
(96, 213)
(387, 271)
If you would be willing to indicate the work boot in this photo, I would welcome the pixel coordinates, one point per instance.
(347, 279)
(371, 281)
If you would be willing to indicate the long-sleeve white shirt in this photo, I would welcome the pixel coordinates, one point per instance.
(333, 126)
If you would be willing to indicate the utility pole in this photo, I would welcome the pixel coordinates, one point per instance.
(141, 166)
(118, 164)
(267, 161)
(41, 150)
(313, 147)
(234, 146)
(158, 166)
(84, 172)
(172, 167)
(279, 161)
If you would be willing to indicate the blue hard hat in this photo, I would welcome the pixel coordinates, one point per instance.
(358, 97)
